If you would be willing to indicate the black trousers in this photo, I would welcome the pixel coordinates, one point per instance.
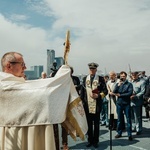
(64, 136)
(93, 127)
(56, 135)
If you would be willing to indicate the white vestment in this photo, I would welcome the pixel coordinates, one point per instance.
(29, 108)
(110, 87)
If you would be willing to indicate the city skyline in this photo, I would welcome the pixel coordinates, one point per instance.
(114, 34)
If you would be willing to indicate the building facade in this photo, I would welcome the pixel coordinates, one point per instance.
(53, 63)
(34, 72)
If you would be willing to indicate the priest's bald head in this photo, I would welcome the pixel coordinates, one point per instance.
(13, 63)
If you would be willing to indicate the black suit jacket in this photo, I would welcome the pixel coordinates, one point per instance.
(76, 82)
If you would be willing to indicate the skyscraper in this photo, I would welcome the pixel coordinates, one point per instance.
(50, 60)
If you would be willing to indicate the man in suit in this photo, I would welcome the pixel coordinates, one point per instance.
(93, 90)
(123, 90)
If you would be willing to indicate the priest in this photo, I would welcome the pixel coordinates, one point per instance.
(29, 108)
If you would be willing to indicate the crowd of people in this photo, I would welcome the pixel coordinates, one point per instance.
(108, 100)
(112, 99)
(123, 101)
(119, 98)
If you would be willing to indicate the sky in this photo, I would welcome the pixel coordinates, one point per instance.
(113, 33)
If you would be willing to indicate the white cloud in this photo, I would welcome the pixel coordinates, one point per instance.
(30, 41)
(112, 33)
(18, 17)
(39, 6)
(108, 32)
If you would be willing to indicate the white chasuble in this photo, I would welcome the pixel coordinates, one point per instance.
(29, 108)
(89, 88)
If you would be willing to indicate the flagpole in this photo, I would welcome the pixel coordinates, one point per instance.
(111, 118)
